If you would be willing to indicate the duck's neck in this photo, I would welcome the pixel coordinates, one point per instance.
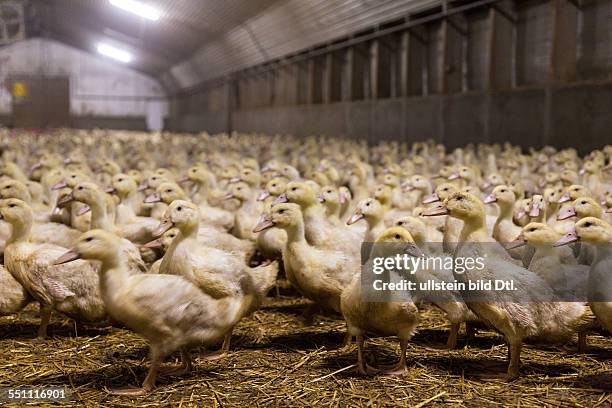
(474, 230)
(295, 234)
(113, 274)
(505, 214)
(374, 225)
(99, 216)
(130, 201)
(201, 189)
(20, 231)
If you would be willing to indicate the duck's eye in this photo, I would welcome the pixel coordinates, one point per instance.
(273, 185)
(503, 191)
(294, 189)
(180, 208)
(588, 224)
(583, 202)
(168, 191)
(397, 236)
(89, 239)
(281, 211)
(445, 189)
(239, 189)
(80, 188)
(367, 204)
(13, 205)
(460, 198)
(531, 229)
(329, 191)
(120, 180)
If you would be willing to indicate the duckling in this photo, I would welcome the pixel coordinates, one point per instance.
(329, 197)
(42, 231)
(517, 319)
(208, 235)
(386, 318)
(452, 227)
(557, 266)
(94, 198)
(504, 229)
(419, 187)
(162, 243)
(169, 311)
(371, 211)
(319, 231)
(599, 286)
(318, 274)
(248, 211)
(136, 229)
(72, 290)
(449, 302)
(215, 272)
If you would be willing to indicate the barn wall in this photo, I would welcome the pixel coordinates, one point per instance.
(102, 93)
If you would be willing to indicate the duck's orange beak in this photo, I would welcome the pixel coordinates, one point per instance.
(156, 243)
(110, 190)
(153, 198)
(454, 176)
(143, 186)
(60, 185)
(490, 199)
(65, 200)
(438, 210)
(164, 226)
(281, 199)
(432, 198)
(263, 195)
(564, 198)
(566, 213)
(568, 238)
(517, 243)
(264, 222)
(84, 210)
(69, 256)
(535, 210)
(358, 215)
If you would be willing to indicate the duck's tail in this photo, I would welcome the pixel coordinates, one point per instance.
(264, 277)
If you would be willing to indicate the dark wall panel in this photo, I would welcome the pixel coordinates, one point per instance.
(517, 117)
(581, 116)
(421, 117)
(465, 117)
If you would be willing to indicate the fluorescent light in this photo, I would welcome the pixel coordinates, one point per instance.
(115, 53)
(139, 8)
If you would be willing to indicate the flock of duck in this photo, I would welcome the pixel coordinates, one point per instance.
(179, 237)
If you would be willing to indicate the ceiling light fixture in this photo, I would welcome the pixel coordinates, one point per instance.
(139, 8)
(114, 53)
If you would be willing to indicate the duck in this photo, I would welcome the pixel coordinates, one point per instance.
(528, 312)
(71, 290)
(556, 265)
(397, 318)
(43, 231)
(596, 232)
(95, 201)
(450, 302)
(215, 272)
(319, 274)
(331, 198)
(162, 243)
(169, 311)
(209, 235)
(504, 229)
(370, 210)
(248, 211)
(319, 231)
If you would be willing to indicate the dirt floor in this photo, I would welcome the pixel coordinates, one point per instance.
(278, 361)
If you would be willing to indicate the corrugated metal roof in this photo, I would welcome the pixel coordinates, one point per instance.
(197, 40)
(291, 26)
